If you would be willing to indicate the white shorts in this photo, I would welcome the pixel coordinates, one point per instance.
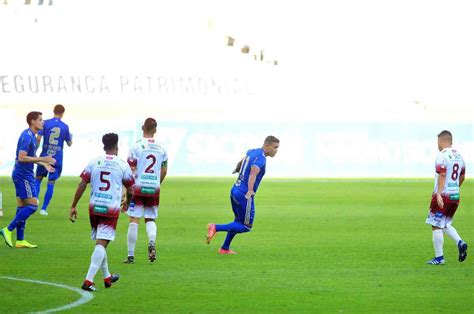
(103, 228)
(438, 220)
(138, 211)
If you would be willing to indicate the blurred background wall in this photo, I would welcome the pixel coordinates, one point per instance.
(352, 88)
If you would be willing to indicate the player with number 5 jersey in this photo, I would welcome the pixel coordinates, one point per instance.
(107, 175)
(149, 162)
(449, 175)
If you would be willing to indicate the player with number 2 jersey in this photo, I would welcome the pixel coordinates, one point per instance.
(149, 161)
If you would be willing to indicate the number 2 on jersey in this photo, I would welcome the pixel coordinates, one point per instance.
(149, 169)
(54, 135)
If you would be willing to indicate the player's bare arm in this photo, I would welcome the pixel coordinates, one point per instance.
(461, 179)
(252, 177)
(237, 167)
(23, 157)
(81, 187)
(441, 182)
(164, 171)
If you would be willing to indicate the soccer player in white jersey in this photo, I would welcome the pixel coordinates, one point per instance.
(450, 170)
(106, 174)
(149, 163)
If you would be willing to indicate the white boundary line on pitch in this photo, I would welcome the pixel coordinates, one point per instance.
(85, 296)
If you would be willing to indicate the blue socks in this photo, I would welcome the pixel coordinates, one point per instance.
(19, 222)
(228, 239)
(232, 229)
(38, 186)
(48, 195)
(236, 227)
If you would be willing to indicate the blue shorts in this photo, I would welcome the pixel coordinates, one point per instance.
(244, 209)
(52, 176)
(25, 187)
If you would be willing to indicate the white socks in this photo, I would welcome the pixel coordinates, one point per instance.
(132, 236)
(450, 231)
(151, 230)
(97, 260)
(105, 266)
(438, 241)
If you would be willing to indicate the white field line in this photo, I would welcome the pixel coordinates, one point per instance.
(85, 295)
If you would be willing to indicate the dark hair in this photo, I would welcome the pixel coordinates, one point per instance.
(110, 141)
(32, 116)
(149, 125)
(270, 140)
(59, 109)
(446, 134)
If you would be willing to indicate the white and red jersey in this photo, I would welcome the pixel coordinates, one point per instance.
(450, 162)
(107, 174)
(147, 157)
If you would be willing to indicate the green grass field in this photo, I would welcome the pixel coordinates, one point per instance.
(317, 246)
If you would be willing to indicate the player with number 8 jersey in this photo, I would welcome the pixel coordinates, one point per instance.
(449, 175)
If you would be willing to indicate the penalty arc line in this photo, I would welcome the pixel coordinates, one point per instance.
(85, 295)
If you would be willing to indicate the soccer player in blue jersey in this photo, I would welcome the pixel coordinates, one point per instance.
(24, 179)
(251, 170)
(55, 132)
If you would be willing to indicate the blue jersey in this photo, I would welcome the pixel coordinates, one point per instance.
(254, 157)
(27, 143)
(55, 132)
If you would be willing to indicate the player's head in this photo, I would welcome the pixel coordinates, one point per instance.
(149, 126)
(110, 141)
(270, 145)
(59, 110)
(35, 120)
(445, 139)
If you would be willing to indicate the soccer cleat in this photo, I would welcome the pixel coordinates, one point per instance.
(23, 244)
(110, 280)
(129, 260)
(1, 213)
(224, 251)
(211, 232)
(151, 251)
(436, 261)
(88, 286)
(7, 235)
(43, 212)
(462, 246)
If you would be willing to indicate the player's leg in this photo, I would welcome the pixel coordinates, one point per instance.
(242, 209)
(462, 246)
(450, 210)
(438, 242)
(106, 232)
(151, 213)
(243, 218)
(239, 206)
(135, 212)
(53, 177)
(437, 220)
(48, 195)
(103, 231)
(27, 205)
(41, 172)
